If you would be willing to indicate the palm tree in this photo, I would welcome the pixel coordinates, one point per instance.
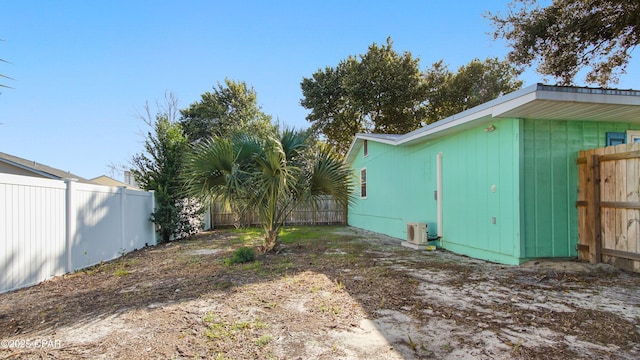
(272, 176)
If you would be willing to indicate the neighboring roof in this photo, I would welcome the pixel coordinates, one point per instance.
(108, 181)
(544, 102)
(39, 169)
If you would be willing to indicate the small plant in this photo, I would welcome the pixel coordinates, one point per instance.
(412, 344)
(241, 255)
(263, 340)
(121, 272)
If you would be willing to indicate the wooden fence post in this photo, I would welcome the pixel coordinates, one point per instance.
(597, 216)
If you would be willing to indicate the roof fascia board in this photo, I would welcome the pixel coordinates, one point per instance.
(452, 122)
(521, 96)
(497, 107)
(377, 139)
(609, 97)
(23, 167)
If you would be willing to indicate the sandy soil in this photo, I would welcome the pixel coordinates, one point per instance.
(341, 294)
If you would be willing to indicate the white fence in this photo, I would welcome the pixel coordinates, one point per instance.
(52, 227)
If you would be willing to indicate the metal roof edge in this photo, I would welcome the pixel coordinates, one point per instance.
(496, 107)
(468, 115)
(23, 167)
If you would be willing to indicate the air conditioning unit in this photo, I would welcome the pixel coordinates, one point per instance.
(417, 233)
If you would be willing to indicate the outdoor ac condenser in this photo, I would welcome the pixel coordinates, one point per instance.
(417, 233)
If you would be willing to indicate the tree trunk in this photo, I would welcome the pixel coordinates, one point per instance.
(270, 240)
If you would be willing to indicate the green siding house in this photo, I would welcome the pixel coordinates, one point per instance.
(497, 182)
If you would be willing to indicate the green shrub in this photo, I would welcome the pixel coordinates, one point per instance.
(242, 255)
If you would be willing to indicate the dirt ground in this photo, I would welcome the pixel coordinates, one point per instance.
(331, 293)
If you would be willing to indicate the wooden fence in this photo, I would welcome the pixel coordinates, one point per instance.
(609, 206)
(327, 212)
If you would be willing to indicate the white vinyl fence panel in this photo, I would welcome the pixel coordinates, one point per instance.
(51, 227)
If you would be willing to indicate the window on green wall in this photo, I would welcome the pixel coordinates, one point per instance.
(365, 148)
(616, 138)
(363, 183)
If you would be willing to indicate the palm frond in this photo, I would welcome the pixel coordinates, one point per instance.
(211, 170)
(293, 143)
(330, 176)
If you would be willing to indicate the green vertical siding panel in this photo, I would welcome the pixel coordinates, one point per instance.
(475, 162)
(531, 163)
(550, 182)
(508, 190)
(402, 180)
(560, 175)
(529, 228)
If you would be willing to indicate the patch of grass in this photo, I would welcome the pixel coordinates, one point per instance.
(222, 285)
(247, 236)
(304, 235)
(121, 272)
(219, 329)
(255, 266)
(263, 340)
(281, 266)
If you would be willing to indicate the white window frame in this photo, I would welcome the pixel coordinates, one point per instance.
(633, 136)
(363, 184)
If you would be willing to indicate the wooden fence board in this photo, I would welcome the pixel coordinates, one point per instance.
(327, 212)
(609, 205)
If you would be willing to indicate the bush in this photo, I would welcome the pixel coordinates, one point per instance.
(242, 255)
(190, 217)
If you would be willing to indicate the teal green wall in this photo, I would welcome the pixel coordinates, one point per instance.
(532, 164)
(400, 185)
(475, 161)
(550, 182)
(402, 180)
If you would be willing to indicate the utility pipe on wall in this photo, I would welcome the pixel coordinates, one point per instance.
(439, 190)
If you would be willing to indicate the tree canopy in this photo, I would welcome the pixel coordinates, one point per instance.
(232, 107)
(381, 91)
(473, 84)
(570, 35)
(385, 92)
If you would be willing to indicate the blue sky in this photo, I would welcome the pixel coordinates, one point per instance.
(83, 69)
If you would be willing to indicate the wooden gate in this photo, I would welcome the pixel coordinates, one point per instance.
(609, 206)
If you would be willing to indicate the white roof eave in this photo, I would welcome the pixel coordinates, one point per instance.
(507, 107)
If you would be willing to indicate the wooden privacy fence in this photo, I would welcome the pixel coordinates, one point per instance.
(609, 205)
(327, 212)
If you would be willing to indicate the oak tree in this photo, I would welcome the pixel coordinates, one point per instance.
(473, 84)
(379, 91)
(570, 35)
